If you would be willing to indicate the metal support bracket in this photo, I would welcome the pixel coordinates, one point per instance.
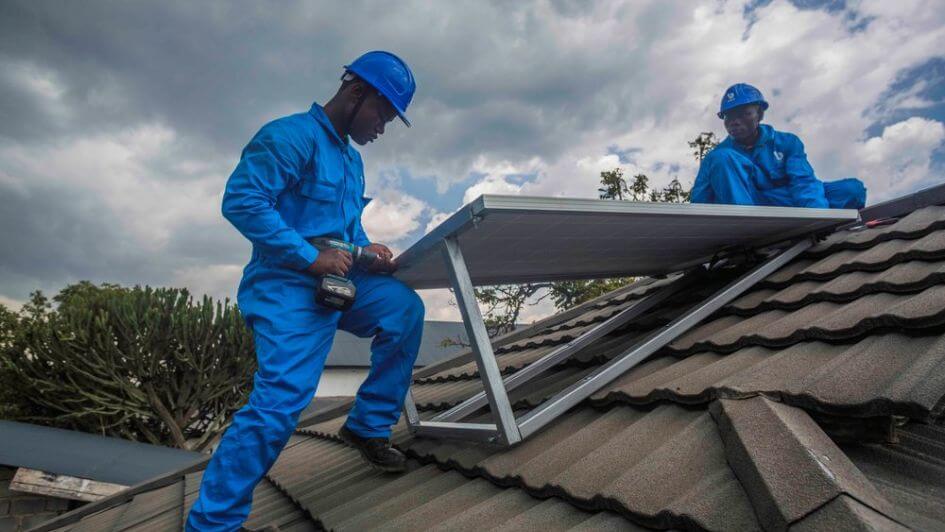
(505, 429)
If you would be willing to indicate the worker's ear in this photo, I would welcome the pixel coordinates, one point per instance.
(761, 113)
(355, 91)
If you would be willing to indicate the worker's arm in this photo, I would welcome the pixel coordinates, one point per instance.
(702, 188)
(806, 189)
(270, 164)
(360, 237)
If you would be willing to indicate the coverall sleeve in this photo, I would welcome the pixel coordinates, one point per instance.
(360, 237)
(270, 164)
(806, 189)
(702, 188)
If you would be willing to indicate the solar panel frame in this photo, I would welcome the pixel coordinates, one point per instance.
(515, 239)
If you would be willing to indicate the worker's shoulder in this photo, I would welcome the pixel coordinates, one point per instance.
(298, 128)
(785, 138)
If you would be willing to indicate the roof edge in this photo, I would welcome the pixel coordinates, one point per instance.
(897, 207)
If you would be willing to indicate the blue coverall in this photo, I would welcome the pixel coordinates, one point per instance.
(774, 172)
(298, 179)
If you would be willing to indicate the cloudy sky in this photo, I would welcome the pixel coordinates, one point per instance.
(120, 121)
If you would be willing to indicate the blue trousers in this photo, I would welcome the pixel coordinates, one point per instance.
(293, 336)
(733, 179)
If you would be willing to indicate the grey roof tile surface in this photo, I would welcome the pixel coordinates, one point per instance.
(917, 223)
(666, 467)
(889, 374)
(910, 474)
(852, 329)
(846, 513)
(870, 314)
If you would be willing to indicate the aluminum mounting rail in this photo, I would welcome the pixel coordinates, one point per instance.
(506, 429)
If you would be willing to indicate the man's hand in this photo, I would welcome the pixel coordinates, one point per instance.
(385, 259)
(331, 261)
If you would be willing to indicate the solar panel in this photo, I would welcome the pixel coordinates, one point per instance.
(514, 239)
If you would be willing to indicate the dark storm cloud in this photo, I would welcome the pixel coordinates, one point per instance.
(218, 71)
(48, 238)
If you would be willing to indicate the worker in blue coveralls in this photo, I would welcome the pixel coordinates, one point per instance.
(758, 165)
(299, 178)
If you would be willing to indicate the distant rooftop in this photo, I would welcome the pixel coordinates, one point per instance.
(82, 455)
(350, 351)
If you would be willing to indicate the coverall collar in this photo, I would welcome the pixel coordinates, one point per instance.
(765, 135)
(318, 113)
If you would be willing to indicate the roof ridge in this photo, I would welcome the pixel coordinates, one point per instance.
(766, 442)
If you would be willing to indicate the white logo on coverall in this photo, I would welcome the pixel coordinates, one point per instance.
(778, 155)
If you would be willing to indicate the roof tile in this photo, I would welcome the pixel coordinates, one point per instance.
(786, 463)
(913, 225)
(618, 460)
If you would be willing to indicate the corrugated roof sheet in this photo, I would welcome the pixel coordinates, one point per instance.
(717, 431)
(83, 455)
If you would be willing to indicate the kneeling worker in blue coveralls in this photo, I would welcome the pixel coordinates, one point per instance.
(757, 165)
(300, 178)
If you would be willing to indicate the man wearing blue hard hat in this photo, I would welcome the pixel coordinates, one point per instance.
(300, 178)
(758, 165)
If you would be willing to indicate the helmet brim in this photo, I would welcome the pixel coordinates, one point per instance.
(763, 104)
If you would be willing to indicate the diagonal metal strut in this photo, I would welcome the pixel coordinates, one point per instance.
(509, 431)
(563, 352)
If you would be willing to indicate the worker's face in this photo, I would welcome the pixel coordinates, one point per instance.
(375, 113)
(742, 122)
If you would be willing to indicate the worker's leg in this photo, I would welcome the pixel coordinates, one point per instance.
(847, 193)
(730, 177)
(393, 313)
(292, 338)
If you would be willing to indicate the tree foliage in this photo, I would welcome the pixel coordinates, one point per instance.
(147, 364)
(703, 144)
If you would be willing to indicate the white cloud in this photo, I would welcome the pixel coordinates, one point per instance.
(440, 305)
(898, 160)
(435, 220)
(491, 184)
(124, 176)
(10, 303)
(391, 216)
(218, 281)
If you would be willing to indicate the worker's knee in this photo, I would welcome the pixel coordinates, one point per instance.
(727, 166)
(721, 157)
(414, 306)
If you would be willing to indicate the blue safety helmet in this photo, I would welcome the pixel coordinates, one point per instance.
(741, 94)
(390, 75)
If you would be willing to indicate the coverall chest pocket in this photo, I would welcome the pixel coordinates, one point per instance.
(322, 200)
(770, 172)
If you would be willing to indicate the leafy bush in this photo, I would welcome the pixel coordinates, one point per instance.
(147, 364)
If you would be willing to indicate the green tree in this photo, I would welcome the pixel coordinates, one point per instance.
(703, 144)
(147, 364)
(614, 185)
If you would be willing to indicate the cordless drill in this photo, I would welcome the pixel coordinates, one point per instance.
(335, 291)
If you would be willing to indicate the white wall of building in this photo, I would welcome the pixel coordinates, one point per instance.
(340, 381)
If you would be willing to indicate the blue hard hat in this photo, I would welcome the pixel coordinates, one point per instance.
(741, 94)
(390, 75)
